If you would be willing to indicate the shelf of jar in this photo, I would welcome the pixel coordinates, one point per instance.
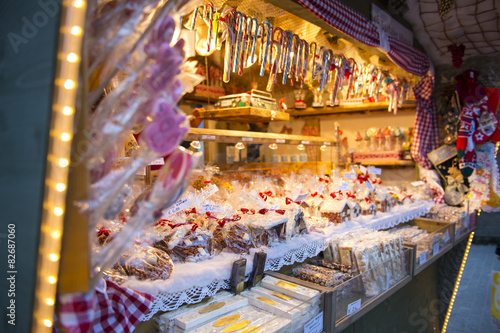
(228, 136)
(277, 166)
(354, 109)
(407, 163)
(245, 114)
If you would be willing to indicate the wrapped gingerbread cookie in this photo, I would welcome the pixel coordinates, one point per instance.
(147, 263)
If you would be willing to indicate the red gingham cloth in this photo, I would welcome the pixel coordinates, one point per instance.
(425, 133)
(110, 308)
(355, 25)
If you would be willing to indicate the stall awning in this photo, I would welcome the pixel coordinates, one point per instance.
(356, 26)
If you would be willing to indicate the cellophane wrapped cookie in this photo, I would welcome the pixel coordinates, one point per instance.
(147, 263)
(238, 238)
(321, 277)
(195, 245)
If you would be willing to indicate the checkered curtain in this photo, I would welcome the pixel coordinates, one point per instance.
(355, 25)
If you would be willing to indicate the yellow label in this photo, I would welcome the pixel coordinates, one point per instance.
(266, 300)
(286, 285)
(495, 296)
(285, 297)
(252, 329)
(236, 326)
(226, 320)
(212, 307)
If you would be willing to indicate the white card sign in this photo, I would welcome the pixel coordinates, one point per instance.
(280, 141)
(423, 257)
(353, 307)
(417, 183)
(446, 236)
(208, 192)
(247, 139)
(349, 175)
(208, 137)
(435, 249)
(179, 205)
(211, 208)
(374, 171)
(344, 187)
(158, 161)
(369, 186)
(362, 169)
(301, 197)
(315, 325)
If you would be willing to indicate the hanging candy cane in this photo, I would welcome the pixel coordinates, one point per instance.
(253, 42)
(229, 32)
(313, 49)
(380, 78)
(338, 60)
(195, 15)
(265, 43)
(298, 61)
(352, 66)
(277, 47)
(240, 19)
(286, 54)
(325, 63)
(244, 44)
(216, 24)
(208, 10)
(374, 73)
(294, 58)
(305, 63)
(332, 65)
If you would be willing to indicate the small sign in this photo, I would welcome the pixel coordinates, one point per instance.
(301, 197)
(305, 142)
(179, 205)
(158, 161)
(247, 139)
(362, 169)
(349, 175)
(435, 249)
(208, 192)
(211, 208)
(369, 186)
(446, 236)
(353, 307)
(280, 140)
(374, 171)
(327, 143)
(226, 103)
(423, 257)
(417, 183)
(344, 187)
(208, 137)
(315, 325)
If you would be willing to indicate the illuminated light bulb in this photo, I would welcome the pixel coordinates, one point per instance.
(63, 162)
(76, 30)
(49, 301)
(72, 57)
(65, 136)
(56, 234)
(322, 148)
(240, 145)
(47, 322)
(53, 257)
(52, 279)
(58, 211)
(79, 3)
(67, 111)
(69, 84)
(301, 147)
(60, 187)
(273, 146)
(195, 144)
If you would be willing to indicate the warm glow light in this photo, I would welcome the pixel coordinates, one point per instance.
(56, 234)
(65, 136)
(47, 322)
(322, 148)
(58, 211)
(49, 301)
(67, 111)
(54, 257)
(301, 147)
(195, 144)
(273, 146)
(63, 162)
(72, 57)
(240, 145)
(79, 3)
(76, 30)
(60, 187)
(69, 84)
(52, 279)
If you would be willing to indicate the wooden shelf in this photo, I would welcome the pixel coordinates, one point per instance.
(355, 109)
(267, 166)
(227, 136)
(245, 114)
(389, 163)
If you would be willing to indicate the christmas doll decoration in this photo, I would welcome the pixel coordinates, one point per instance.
(478, 121)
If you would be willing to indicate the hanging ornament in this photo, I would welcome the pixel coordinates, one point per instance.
(445, 7)
(457, 54)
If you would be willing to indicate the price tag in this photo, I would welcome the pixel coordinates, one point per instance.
(179, 205)
(305, 142)
(226, 103)
(344, 187)
(418, 183)
(315, 325)
(362, 169)
(369, 186)
(435, 249)
(375, 171)
(349, 175)
(350, 150)
(327, 143)
(321, 188)
(158, 161)
(211, 208)
(353, 307)
(423, 257)
(280, 140)
(208, 137)
(446, 236)
(301, 197)
(208, 192)
(247, 139)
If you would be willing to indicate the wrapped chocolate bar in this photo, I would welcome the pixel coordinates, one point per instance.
(238, 238)
(290, 289)
(307, 274)
(336, 266)
(147, 263)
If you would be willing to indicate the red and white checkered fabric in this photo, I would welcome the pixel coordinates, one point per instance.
(355, 25)
(110, 308)
(425, 133)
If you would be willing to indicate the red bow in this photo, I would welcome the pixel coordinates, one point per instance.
(263, 196)
(103, 231)
(333, 195)
(280, 211)
(263, 211)
(190, 211)
(314, 194)
(163, 222)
